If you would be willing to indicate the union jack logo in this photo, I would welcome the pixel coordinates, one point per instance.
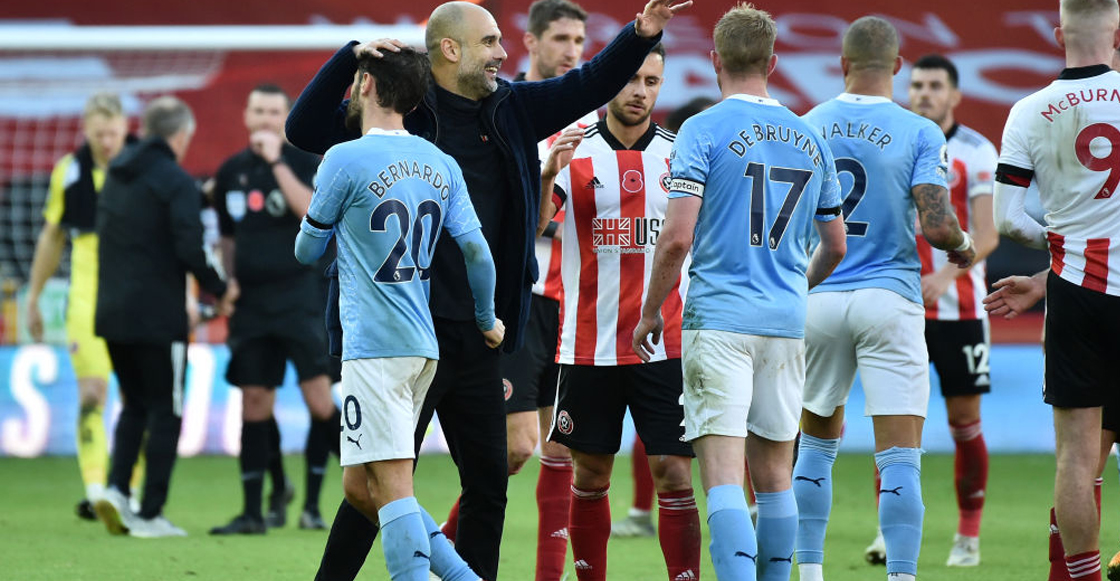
(610, 231)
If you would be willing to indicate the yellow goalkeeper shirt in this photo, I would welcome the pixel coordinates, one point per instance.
(82, 299)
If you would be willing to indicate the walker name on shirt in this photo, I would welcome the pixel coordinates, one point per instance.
(624, 235)
(1072, 100)
(865, 131)
(404, 169)
(769, 132)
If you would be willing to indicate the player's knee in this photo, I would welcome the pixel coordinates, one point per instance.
(592, 473)
(519, 451)
(671, 473)
(91, 393)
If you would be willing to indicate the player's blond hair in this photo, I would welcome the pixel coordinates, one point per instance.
(871, 43)
(744, 39)
(107, 104)
(1087, 22)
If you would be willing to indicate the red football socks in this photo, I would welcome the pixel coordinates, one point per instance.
(678, 529)
(554, 501)
(970, 475)
(452, 523)
(589, 525)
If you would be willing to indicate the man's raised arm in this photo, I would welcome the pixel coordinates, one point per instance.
(317, 121)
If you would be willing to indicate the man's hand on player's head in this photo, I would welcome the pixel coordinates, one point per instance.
(267, 144)
(378, 48)
(495, 335)
(656, 15)
(648, 328)
(561, 152)
(1014, 295)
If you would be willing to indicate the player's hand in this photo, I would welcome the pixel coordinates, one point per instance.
(656, 15)
(934, 286)
(495, 335)
(963, 258)
(561, 152)
(647, 327)
(1014, 295)
(378, 48)
(225, 304)
(34, 319)
(266, 144)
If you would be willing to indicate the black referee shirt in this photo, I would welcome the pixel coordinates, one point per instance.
(252, 209)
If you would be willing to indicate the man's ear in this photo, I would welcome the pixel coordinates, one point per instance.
(450, 50)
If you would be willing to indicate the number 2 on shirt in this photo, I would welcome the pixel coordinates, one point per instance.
(390, 270)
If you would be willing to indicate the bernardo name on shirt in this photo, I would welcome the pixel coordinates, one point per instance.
(403, 169)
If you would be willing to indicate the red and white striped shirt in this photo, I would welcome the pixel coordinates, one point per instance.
(615, 200)
(549, 283)
(1067, 138)
(972, 166)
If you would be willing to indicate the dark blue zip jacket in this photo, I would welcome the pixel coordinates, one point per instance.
(519, 114)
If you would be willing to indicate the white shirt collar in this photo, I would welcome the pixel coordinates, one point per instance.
(380, 131)
(862, 99)
(755, 99)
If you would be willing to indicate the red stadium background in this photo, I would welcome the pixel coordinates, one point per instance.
(1003, 49)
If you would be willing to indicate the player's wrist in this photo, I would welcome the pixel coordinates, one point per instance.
(965, 244)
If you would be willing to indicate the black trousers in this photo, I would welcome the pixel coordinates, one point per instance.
(151, 383)
(467, 393)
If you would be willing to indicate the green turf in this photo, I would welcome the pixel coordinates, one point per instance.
(41, 539)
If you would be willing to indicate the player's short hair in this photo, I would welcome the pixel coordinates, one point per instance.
(401, 78)
(744, 39)
(678, 116)
(1088, 7)
(542, 13)
(272, 89)
(939, 62)
(107, 104)
(165, 116)
(871, 43)
(659, 50)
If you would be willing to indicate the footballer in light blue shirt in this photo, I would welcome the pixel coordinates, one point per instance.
(387, 195)
(868, 315)
(749, 182)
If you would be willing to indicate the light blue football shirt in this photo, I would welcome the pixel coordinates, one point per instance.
(882, 151)
(387, 194)
(763, 174)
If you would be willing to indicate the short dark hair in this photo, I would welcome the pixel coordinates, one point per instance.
(402, 78)
(678, 116)
(272, 89)
(658, 49)
(938, 61)
(545, 12)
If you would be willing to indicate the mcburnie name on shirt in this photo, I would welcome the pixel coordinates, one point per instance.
(758, 133)
(403, 169)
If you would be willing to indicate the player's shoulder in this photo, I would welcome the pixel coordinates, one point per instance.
(661, 134)
(971, 138)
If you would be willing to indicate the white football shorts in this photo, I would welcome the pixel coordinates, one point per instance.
(735, 383)
(381, 401)
(880, 334)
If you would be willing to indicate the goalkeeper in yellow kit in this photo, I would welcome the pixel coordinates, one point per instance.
(70, 209)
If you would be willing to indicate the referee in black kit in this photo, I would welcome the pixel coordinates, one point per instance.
(260, 194)
(150, 237)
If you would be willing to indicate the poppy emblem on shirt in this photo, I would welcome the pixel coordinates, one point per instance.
(632, 181)
(256, 201)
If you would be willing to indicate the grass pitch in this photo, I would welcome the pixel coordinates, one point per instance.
(41, 539)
